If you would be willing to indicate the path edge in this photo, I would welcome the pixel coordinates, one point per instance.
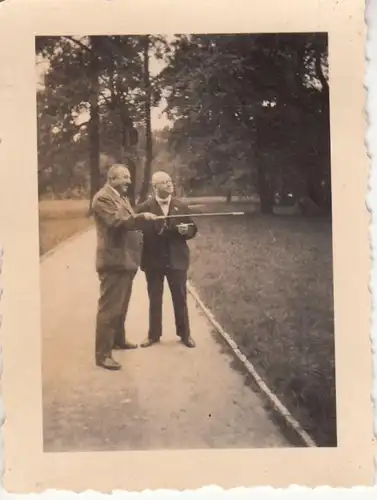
(65, 242)
(263, 387)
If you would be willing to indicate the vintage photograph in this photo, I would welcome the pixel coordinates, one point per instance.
(185, 246)
(185, 238)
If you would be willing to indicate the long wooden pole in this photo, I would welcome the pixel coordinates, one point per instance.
(210, 214)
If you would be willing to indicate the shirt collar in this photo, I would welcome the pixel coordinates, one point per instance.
(165, 201)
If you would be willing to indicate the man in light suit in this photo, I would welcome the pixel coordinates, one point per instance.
(117, 260)
(166, 254)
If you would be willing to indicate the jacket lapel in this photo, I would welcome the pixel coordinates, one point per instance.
(127, 204)
(118, 199)
(155, 207)
(173, 210)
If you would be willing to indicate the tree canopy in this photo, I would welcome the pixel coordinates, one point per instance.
(249, 113)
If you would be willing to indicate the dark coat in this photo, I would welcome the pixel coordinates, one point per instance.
(118, 237)
(163, 245)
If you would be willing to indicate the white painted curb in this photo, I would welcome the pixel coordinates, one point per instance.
(281, 409)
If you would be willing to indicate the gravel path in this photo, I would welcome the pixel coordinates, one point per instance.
(165, 397)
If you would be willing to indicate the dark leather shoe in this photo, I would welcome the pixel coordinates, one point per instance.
(189, 342)
(149, 342)
(125, 346)
(109, 364)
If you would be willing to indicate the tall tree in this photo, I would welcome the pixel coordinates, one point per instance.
(158, 47)
(94, 120)
(102, 78)
(123, 109)
(148, 129)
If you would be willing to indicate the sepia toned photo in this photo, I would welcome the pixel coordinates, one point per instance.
(191, 157)
(186, 254)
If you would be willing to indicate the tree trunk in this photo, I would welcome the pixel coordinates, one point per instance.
(264, 186)
(265, 191)
(94, 123)
(129, 161)
(148, 129)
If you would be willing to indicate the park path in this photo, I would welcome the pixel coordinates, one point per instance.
(165, 397)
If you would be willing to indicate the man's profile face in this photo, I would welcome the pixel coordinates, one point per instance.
(121, 180)
(164, 186)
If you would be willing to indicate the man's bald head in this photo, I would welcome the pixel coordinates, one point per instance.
(119, 177)
(116, 170)
(162, 184)
(160, 176)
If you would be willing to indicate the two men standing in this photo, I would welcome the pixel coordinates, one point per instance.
(121, 251)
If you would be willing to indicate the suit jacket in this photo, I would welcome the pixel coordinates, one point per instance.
(163, 246)
(119, 239)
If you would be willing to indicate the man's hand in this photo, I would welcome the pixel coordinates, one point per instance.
(183, 228)
(148, 216)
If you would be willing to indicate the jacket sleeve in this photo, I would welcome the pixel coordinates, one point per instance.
(114, 216)
(141, 208)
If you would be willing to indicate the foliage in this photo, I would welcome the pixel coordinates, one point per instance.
(59, 168)
(101, 78)
(250, 112)
(252, 109)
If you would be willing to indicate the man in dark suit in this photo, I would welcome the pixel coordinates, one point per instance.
(166, 254)
(117, 261)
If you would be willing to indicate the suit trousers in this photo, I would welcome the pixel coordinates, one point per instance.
(177, 283)
(115, 294)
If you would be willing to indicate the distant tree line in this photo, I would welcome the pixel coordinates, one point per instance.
(250, 114)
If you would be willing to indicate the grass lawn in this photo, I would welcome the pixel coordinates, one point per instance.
(268, 281)
(60, 219)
